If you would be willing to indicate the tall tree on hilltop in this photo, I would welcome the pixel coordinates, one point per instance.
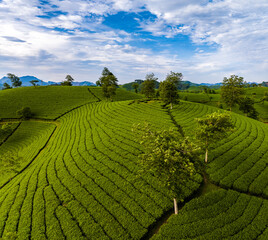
(108, 82)
(6, 86)
(136, 87)
(34, 82)
(68, 82)
(14, 79)
(148, 86)
(213, 127)
(232, 90)
(169, 88)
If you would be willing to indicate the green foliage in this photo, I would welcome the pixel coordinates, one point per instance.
(68, 82)
(174, 78)
(169, 157)
(136, 87)
(213, 127)
(148, 86)
(22, 146)
(14, 79)
(25, 113)
(232, 89)
(50, 102)
(6, 86)
(108, 82)
(218, 215)
(168, 88)
(34, 82)
(9, 163)
(247, 106)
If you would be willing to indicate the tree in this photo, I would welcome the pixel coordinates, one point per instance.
(247, 106)
(213, 127)
(34, 82)
(135, 86)
(175, 78)
(168, 88)
(68, 82)
(14, 79)
(108, 82)
(25, 113)
(169, 157)
(6, 86)
(148, 86)
(232, 89)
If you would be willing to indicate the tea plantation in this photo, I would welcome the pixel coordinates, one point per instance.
(79, 177)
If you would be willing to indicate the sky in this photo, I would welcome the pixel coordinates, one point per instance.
(205, 40)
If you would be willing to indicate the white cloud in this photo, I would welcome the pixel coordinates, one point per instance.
(237, 27)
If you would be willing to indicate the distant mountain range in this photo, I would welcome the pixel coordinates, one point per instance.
(26, 82)
(184, 84)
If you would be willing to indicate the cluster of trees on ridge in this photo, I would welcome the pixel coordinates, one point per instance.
(15, 80)
(232, 90)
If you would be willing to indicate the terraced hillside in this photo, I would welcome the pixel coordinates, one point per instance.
(83, 180)
(25, 143)
(238, 161)
(50, 102)
(219, 215)
(85, 184)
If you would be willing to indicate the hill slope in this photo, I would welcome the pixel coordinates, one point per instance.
(84, 183)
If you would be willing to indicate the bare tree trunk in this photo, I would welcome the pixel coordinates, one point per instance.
(175, 206)
(206, 156)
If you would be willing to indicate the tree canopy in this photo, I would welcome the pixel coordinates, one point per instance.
(6, 86)
(34, 82)
(108, 82)
(148, 86)
(168, 88)
(14, 79)
(247, 106)
(232, 89)
(213, 127)
(168, 156)
(68, 82)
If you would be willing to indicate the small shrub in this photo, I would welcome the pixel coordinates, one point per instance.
(25, 113)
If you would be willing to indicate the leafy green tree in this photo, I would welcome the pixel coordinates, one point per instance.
(213, 127)
(148, 86)
(34, 82)
(174, 77)
(25, 113)
(6, 86)
(232, 90)
(169, 157)
(68, 82)
(247, 106)
(168, 88)
(14, 79)
(108, 82)
(136, 87)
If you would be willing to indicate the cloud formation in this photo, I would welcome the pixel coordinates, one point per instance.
(53, 38)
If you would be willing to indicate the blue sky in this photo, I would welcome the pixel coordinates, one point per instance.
(204, 40)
